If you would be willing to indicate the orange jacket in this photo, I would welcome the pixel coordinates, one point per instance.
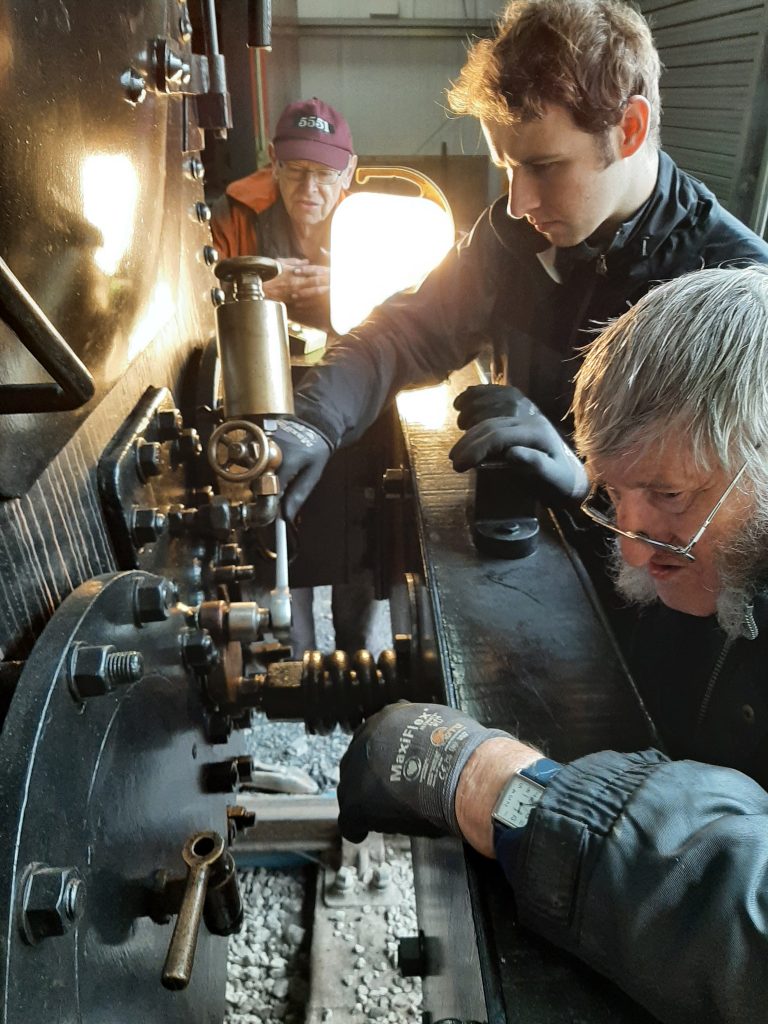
(234, 221)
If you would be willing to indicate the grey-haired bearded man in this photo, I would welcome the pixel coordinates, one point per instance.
(661, 863)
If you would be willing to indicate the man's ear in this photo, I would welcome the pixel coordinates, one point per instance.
(272, 159)
(348, 173)
(635, 125)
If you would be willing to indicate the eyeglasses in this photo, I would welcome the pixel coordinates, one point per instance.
(296, 173)
(604, 519)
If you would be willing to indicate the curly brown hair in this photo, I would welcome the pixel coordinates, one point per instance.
(588, 56)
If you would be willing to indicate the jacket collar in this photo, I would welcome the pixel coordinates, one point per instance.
(257, 191)
(677, 201)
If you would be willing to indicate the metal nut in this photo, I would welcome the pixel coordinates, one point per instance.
(345, 880)
(147, 524)
(153, 601)
(53, 900)
(188, 444)
(199, 650)
(381, 877)
(148, 458)
(196, 168)
(185, 26)
(98, 669)
(227, 776)
(168, 423)
(134, 85)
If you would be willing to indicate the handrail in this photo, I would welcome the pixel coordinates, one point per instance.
(72, 384)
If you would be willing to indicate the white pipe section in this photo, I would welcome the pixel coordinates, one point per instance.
(281, 595)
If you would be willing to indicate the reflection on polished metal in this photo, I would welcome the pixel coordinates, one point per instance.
(253, 342)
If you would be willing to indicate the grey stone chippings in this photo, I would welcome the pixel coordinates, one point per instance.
(268, 960)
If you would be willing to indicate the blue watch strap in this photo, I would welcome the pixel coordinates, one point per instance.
(506, 840)
(541, 771)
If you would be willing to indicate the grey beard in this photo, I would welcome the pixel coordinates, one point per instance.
(741, 569)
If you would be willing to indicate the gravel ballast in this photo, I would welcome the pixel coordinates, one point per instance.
(269, 972)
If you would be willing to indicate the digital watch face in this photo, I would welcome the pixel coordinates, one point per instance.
(517, 801)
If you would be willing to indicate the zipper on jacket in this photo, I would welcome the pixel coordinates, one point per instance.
(707, 698)
(602, 266)
(751, 631)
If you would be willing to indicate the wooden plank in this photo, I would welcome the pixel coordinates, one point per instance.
(661, 14)
(735, 100)
(722, 187)
(743, 23)
(700, 163)
(732, 74)
(723, 143)
(719, 51)
(707, 120)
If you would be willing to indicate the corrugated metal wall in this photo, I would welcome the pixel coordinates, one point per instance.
(713, 122)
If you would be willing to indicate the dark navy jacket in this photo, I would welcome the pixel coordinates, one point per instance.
(494, 288)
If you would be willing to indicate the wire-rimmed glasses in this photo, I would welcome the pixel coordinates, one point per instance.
(604, 519)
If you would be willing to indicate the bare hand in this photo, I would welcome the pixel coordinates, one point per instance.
(300, 285)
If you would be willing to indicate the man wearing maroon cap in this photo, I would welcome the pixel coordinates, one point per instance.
(284, 211)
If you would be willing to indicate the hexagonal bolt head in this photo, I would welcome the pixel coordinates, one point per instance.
(188, 444)
(147, 524)
(221, 776)
(95, 670)
(381, 877)
(53, 900)
(134, 86)
(185, 26)
(218, 727)
(240, 817)
(345, 879)
(148, 459)
(168, 424)
(199, 650)
(153, 601)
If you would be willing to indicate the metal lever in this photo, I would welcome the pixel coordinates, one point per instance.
(201, 853)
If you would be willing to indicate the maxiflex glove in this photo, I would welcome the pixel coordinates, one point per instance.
(402, 768)
(503, 425)
(305, 456)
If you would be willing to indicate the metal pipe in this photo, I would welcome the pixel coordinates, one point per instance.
(260, 24)
(73, 384)
(281, 595)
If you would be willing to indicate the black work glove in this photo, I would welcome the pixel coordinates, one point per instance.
(503, 425)
(402, 768)
(305, 455)
(484, 401)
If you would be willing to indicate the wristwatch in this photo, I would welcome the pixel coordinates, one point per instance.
(522, 793)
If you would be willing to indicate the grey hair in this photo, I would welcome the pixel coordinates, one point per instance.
(689, 360)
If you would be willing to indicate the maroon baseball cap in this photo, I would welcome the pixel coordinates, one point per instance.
(311, 130)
